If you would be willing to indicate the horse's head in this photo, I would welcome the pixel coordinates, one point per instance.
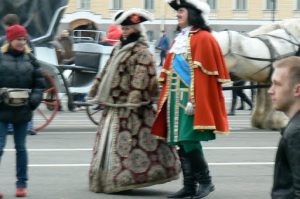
(293, 26)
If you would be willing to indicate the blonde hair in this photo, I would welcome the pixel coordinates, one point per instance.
(5, 48)
(293, 65)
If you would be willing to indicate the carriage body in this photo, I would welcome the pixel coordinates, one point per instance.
(90, 55)
(89, 58)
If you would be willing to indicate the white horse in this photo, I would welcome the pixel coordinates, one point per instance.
(251, 58)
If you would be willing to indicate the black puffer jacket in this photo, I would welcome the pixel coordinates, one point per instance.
(17, 70)
(287, 165)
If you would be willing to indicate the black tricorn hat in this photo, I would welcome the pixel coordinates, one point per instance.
(132, 17)
(194, 4)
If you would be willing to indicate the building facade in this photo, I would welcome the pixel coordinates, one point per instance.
(240, 15)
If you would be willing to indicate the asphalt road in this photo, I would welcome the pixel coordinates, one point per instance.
(241, 163)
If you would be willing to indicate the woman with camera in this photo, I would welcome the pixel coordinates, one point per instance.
(21, 91)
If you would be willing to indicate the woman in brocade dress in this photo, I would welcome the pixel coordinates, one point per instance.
(126, 155)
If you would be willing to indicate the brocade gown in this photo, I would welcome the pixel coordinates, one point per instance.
(126, 155)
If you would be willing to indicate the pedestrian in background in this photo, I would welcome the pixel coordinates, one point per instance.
(18, 72)
(163, 46)
(239, 93)
(126, 156)
(64, 48)
(191, 106)
(113, 35)
(285, 95)
(8, 20)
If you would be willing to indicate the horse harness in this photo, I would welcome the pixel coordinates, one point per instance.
(274, 55)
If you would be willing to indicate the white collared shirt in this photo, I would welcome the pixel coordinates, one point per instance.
(180, 44)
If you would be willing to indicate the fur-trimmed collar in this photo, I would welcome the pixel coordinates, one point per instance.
(140, 41)
(118, 54)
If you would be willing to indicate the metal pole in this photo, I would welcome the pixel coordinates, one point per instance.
(273, 10)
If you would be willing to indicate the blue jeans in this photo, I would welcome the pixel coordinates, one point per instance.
(163, 54)
(20, 134)
(29, 127)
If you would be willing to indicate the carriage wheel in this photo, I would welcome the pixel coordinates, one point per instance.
(94, 113)
(49, 106)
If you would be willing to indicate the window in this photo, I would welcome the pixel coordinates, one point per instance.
(84, 4)
(212, 4)
(149, 4)
(271, 4)
(150, 35)
(117, 4)
(241, 5)
(297, 4)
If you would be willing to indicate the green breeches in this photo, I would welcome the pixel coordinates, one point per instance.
(189, 146)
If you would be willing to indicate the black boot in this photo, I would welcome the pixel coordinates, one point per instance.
(245, 98)
(231, 113)
(201, 172)
(189, 181)
(205, 185)
(240, 108)
(233, 103)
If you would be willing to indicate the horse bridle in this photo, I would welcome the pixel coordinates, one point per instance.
(247, 57)
(229, 44)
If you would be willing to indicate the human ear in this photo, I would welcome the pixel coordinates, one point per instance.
(297, 90)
